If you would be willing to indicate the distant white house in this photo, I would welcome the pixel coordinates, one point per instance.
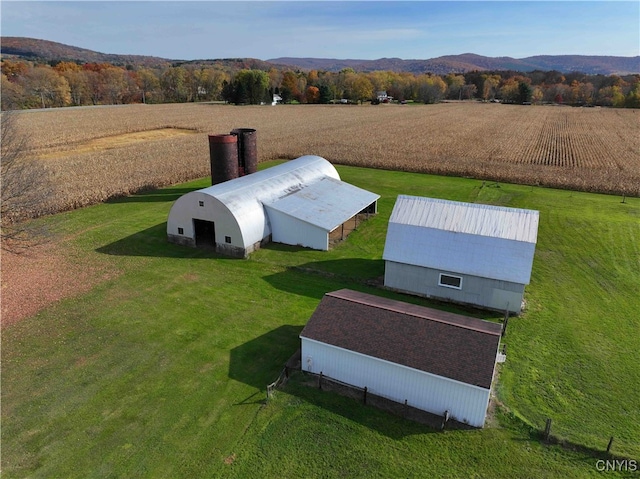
(469, 253)
(383, 97)
(299, 202)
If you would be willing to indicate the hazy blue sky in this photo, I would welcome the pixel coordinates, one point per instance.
(331, 29)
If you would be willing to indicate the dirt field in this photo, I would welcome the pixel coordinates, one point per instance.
(44, 274)
(98, 153)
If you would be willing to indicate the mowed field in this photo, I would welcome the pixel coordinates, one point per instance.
(102, 152)
(158, 368)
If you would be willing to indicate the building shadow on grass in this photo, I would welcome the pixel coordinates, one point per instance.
(153, 242)
(284, 248)
(153, 195)
(261, 360)
(384, 416)
(316, 278)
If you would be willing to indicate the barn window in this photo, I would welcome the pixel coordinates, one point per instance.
(227, 239)
(201, 203)
(180, 231)
(450, 281)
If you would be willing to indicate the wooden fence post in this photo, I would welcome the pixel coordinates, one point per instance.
(547, 429)
(445, 419)
(506, 321)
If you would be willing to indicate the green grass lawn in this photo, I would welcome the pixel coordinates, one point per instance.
(161, 370)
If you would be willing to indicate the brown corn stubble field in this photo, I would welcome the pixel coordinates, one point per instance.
(96, 153)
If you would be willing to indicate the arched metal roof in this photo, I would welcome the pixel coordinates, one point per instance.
(241, 200)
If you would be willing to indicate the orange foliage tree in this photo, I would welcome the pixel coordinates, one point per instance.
(312, 94)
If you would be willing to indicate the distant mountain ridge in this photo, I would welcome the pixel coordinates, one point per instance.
(44, 50)
(590, 64)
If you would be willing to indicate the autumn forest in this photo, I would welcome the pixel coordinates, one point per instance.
(28, 85)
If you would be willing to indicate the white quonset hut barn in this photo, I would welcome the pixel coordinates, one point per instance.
(299, 202)
(436, 361)
(462, 252)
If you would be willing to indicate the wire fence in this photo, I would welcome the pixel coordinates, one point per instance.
(546, 435)
(405, 410)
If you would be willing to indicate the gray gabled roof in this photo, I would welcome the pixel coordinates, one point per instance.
(441, 343)
(326, 203)
(470, 218)
(481, 240)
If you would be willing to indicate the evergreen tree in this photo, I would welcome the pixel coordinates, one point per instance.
(525, 92)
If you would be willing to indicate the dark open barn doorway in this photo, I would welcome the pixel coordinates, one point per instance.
(205, 232)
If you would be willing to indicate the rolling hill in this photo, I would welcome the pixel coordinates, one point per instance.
(46, 51)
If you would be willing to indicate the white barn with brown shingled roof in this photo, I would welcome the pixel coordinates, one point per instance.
(435, 360)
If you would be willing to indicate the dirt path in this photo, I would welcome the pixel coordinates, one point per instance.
(41, 276)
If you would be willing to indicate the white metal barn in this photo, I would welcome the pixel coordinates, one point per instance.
(299, 202)
(462, 252)
(436, 361)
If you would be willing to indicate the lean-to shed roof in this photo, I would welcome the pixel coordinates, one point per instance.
(445, 344)
(467, 238)
(326, 203)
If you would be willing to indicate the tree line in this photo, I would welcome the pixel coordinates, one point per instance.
(30, 85)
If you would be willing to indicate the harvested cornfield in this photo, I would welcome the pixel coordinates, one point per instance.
(96, 153)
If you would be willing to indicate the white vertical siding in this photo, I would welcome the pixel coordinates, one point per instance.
(289, 230)
(435, 394)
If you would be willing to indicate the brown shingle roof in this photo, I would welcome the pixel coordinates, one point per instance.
(446, 344)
